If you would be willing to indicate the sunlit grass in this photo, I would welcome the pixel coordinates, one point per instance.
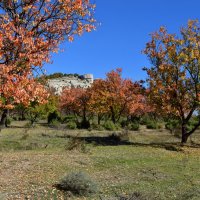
(33, 159)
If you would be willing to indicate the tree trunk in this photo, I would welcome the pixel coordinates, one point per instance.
(99, 119)
(84, 114)
(3, 122)
(23, 115)
(184, 134)
(113, 115)
(184, 138)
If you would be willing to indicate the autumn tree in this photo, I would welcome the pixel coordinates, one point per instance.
(174, 84)
(20, 90)
(115, 96)
(76, 101)
(97, 102)
(29, 32)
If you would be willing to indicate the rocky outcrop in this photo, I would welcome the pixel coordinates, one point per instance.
(58, 84)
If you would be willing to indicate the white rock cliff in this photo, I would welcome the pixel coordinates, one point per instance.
(58, 84)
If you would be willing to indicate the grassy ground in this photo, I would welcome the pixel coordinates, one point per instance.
(148, 163)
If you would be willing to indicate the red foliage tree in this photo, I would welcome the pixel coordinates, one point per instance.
(116, 96)
(29, 31)
(75, 101)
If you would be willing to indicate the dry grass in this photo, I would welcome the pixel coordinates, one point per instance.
(33, 160)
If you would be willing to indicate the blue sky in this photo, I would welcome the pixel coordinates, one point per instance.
(122, 35)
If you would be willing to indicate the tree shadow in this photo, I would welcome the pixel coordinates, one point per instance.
(112, 140)
(115, 140)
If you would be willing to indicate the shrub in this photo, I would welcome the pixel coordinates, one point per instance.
(8, 121)
(134, 196)
(145, 120)
(109, 125)
(159, 126)
(134, 126)
(76, 144)
(120, 137)
(53, 116)
(97, 127)
(28, 125)
(151, 125)
(54, 123)
(15, 118)
(172, 125)
(173, 148)
(71, 125)
(68, 118)
(78, 183)
(124, 123)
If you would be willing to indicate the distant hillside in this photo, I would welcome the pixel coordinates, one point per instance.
(58, 81)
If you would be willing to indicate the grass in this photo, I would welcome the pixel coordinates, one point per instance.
(32, 160)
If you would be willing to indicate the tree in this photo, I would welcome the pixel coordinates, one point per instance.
(76, 101)
(20, 90)
(115, 96)
(37, 110)
(29, 32)
(97, 102)
(174, 84)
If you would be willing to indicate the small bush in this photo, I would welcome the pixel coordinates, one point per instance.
(124, 123)
(172, 125)
(71, 125)
(76, 144)
(8, 121)
(134, 196)
(15, 118)
(159, 126)
(54, 123)
(173, 148)
(109, 125)
(151, 125)
(53, 116)
(78, 183)
(96, 127)
(134, 126)
(116, 138)
(145, 120)
(68, 118)
(28, 125)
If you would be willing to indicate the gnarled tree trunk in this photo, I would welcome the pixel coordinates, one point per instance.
(3, 122)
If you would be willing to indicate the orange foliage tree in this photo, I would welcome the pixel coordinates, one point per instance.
(116, 96)
(174, 84)
(29, 31)
(76, 101)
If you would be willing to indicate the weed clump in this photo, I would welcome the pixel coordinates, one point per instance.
(71, 125)
(78, 183)
(133, 196)
(110, 126)
(134, 126)
(76, 144)
(152, 125)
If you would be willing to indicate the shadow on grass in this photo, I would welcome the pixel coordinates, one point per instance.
(115, 140)
(112, 140)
